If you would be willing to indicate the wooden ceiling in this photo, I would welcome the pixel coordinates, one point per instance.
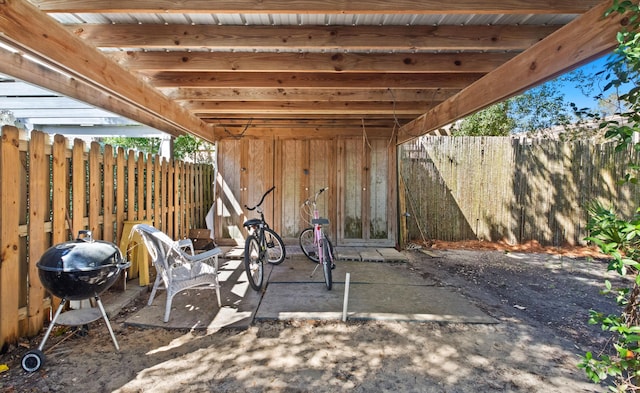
(229, 69)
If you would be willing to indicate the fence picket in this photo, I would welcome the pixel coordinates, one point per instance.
(9, 236)
(38, 214)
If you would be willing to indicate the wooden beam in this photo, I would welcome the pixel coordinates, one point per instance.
(32, 31)
(311, 62)
(306, 123)
(312, 38)
(312, 80)
(201, 108)
(307, 133)
(308, 94)
(586, 38)
(327, 6)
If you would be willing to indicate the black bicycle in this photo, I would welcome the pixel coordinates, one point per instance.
(261, 243)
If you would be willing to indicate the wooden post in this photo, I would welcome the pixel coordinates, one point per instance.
(131, 186)
(149, 191)
(171, 182)
(107, 219)
(60, 195)
(139, 181)
(78, 187)
(177, 205)
(38, 214)
(120, 191)
(9, 236)
(95, 190)
(157, 196)
(163, 197)
(188, 204)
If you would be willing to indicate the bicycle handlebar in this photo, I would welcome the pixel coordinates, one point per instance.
(261, 199)
(315, 196)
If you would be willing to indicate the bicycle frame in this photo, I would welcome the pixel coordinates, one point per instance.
(321, 242)
(261, 243)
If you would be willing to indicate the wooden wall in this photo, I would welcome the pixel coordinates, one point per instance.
(517, 190)
(50, 190)
(359, 171)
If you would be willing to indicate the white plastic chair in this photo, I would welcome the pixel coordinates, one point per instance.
(177, 270)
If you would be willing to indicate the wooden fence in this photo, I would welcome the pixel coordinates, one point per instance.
(50, 191)
(516, 190)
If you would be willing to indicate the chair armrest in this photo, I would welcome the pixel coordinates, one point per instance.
(206, 255)
(213, 253)
(186, 245)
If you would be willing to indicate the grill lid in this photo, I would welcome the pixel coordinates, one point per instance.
(82, 254)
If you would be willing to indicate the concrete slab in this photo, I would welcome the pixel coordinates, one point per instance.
(234, 253)
(371, 255)
(348, 254)
(284, 301)
(392, 255)
(377, 291)
(299, 270)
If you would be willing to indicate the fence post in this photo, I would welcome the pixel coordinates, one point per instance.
(9, 236)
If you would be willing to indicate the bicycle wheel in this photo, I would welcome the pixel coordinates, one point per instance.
(327, 263)
(307, 244)
(276, 252)
(253, 263)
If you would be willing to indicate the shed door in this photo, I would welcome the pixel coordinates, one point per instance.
(245, 174)
(367, 192)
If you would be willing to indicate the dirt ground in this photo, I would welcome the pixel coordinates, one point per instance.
(540, 298)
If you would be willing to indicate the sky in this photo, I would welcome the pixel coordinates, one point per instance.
(573, 94)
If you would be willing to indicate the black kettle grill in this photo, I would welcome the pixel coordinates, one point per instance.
(77, 270)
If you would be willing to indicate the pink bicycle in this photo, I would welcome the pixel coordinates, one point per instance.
(313, 240)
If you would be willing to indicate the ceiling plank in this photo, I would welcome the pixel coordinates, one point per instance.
(312, 80)
(326, 6)
(586, 38)
(312, 38)
(24, 26)
(308, 94)
(310, 62)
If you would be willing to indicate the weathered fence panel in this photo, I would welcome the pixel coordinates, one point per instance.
(48, 192)
(516, 190)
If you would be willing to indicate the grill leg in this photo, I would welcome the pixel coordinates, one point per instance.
(104, 315)
(53, 322)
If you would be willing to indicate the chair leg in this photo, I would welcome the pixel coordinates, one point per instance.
(156, 284)
(218, 293)
(167, 307)
(217, 281)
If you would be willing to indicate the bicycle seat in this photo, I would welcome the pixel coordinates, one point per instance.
(252, 222)
(320, 221)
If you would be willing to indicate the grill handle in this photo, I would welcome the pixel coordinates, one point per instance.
(85, 235)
